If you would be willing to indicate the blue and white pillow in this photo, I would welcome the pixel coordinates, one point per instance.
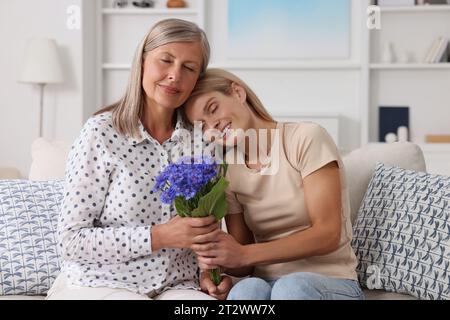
(402, 233)
(29, 260)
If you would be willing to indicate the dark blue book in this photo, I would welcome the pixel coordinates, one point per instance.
(390, 119)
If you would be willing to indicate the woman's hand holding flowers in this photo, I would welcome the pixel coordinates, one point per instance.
(219, 249)
(219, 292)
(183, 232)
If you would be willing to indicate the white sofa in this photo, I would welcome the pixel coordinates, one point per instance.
(49, 162)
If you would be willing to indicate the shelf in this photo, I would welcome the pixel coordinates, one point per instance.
(149, 11)
(435, 147)
(287, 65)
(428, 8)
(428, 147)
(410, 66)
(262, 66)
(116, 66)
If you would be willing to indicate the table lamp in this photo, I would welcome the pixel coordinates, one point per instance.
(41, 66)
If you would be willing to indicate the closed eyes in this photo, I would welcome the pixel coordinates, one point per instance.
(213, 108)
(187, 67)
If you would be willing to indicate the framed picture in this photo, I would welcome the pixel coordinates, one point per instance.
(391, 120)
(289, 29)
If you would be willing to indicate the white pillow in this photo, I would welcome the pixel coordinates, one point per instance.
(48, 159)
(29, 257)
(360, 166)
(402, 234)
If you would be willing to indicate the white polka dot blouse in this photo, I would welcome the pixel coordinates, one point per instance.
(104, 229)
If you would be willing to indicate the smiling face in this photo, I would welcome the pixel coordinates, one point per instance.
(170, 73)
(221, 113)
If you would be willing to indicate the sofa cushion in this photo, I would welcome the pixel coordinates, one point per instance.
(402, 233)
(48, 160)
(360, 165)
(29, 260)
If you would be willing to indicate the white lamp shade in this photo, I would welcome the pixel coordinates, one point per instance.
(41, 63)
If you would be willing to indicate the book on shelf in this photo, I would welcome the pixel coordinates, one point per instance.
(434, 138)
(441, 50)
(438, 51)
(431, 51)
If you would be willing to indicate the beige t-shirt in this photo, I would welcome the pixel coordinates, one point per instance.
(274, 205)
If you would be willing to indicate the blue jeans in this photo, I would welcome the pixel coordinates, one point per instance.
(297, 286)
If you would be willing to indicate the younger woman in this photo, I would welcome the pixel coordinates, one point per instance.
(289, 229)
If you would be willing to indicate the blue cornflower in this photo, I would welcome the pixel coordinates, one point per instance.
(185, 178)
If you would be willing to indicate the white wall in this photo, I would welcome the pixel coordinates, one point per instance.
(285, 91)
(299, 89)
(425, 92)
(287, 88)
(21, 20)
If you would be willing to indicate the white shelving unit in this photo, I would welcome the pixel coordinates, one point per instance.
(256, 66)
(414, 84)
(424, 8)
(152, 11)
(410, 66)
(288, 65)
(363, 80)
(117, 39)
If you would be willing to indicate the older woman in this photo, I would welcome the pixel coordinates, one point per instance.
(117, 240)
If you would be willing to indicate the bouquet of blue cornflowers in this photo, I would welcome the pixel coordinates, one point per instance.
(196, 186)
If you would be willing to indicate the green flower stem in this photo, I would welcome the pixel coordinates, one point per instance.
(215, 276)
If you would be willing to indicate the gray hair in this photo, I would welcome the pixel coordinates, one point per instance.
(128, 110)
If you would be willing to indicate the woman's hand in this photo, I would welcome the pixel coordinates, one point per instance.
(219, 292)
(182, 232)
(219, 249)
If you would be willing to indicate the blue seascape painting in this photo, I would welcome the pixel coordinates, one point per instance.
(289, 29)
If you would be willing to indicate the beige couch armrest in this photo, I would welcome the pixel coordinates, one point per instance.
(48, 159)
(8, 173)
(360, 166)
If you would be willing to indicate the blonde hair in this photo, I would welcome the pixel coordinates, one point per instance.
(128, 110)
(219, 80)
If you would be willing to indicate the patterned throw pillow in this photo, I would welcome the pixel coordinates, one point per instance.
(402, 233)
(29, 261)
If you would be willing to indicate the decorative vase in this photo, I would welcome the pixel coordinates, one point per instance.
(391, 138)
(388, 53)
(402, 134)
(176, 4)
